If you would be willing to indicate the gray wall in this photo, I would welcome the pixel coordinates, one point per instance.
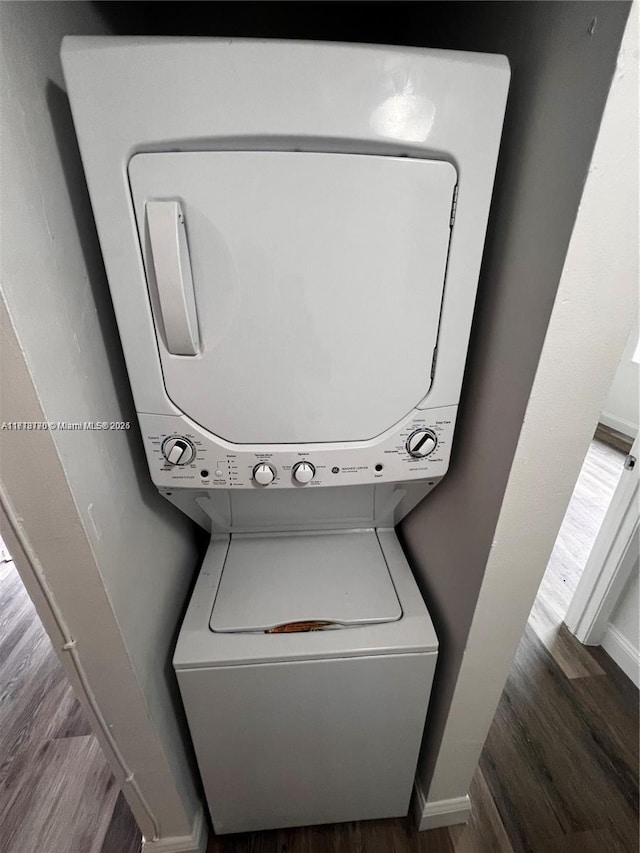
(560, 78)
(58, 300)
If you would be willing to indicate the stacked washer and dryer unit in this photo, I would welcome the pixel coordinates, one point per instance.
(292, 234)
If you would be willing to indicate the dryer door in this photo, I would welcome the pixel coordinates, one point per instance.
(296, 296)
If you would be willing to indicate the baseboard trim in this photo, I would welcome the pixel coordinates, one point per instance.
(196, 842)
(441, 812)
(623, 653)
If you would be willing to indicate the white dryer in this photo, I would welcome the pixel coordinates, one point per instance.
(292, 234)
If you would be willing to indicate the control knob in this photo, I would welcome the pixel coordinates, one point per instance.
(178, 450)
(264, 474)
(421, 443)
(303, 472)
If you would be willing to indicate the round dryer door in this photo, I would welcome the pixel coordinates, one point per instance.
(317, 281)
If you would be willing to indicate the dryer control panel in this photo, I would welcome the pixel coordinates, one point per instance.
(183, 455)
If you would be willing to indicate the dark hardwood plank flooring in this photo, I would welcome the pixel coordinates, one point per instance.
(484, 830)
(123, 835)
(558, 774)
(57, 793)
(375, 836)
(557, 766)
(614, 438)
(68, 792)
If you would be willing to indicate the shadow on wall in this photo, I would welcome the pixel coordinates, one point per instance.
(66, 142)
(67, 145)
(69, 153)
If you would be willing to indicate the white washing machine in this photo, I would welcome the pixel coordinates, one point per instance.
(321, 726)
(292, 234)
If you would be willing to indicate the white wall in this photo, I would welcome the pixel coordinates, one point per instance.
(57, 300)
(626, 617)
(621, 409)
(622, 636)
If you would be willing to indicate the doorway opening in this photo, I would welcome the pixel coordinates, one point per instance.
(592, 522)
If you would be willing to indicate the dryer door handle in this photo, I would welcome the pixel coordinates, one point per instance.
(172, 267)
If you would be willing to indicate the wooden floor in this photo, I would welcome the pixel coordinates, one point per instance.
(57, 794)
(558, 774)
(614, 439)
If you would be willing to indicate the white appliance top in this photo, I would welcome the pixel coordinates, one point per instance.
(318, 281)
(270, 582)
(199, 646)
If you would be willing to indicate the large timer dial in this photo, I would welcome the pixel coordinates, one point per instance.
(178, 450)
(421, 443)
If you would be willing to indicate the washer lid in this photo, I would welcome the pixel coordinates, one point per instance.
(317, 281)
(270, 582)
